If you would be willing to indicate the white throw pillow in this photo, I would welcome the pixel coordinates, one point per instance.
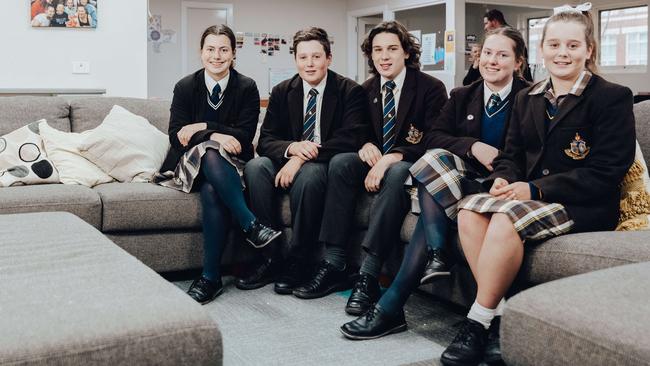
(125, 146)
(63, 149)
(23, 159)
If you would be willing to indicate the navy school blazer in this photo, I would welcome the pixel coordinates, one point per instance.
(238, 114)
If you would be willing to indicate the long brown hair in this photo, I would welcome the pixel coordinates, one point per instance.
(519, 49)
(584, 19)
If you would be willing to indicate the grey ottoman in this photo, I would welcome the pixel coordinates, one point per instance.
(69, 296)
(598, 318)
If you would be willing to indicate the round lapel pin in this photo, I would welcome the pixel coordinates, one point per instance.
(470, 117)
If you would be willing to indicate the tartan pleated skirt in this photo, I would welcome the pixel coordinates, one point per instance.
(187, 170)
(454, 185)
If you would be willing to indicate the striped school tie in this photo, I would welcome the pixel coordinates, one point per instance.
(389, 116)
(493, 104)
(310, 117)
(215, 96)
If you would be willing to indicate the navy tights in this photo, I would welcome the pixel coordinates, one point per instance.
(432, 229)
(221, 197)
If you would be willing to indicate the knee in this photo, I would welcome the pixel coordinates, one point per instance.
(208, 193)
(467, 221)
(311, 177)
(397, 174)
(343, 165)
(258, 168)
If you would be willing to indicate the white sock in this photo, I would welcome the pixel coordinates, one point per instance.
(481, 314)
(501, 307)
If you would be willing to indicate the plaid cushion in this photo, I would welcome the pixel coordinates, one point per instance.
(534, 220)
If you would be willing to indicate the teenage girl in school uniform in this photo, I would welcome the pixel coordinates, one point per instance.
(570, 142)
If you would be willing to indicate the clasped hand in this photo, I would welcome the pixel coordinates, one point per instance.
(513, 191)
(185, 134)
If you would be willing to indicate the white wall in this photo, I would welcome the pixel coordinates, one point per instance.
(42, 58)
(283, 17)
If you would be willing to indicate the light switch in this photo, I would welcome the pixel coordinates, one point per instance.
(80, 67)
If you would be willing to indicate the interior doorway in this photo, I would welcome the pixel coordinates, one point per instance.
(195, 18)
(364, 25)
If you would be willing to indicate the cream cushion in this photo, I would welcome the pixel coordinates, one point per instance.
(63, 150)
(125, 146)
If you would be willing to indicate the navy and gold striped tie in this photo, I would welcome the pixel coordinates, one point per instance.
(389, 116)
(309, 123)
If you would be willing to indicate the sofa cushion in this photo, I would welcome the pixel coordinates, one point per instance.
(125, 146)
(146, 206)
(79, 200)
(16, 112)
(72, 297)
(88, 112)
(599, 318)
(573, 254)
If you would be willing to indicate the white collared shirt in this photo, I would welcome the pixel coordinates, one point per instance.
(210, 83)
(319, 104)
(503, 93)
(397, 91)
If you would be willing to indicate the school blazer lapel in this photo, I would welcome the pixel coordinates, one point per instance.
(328, 108)
(376, 113)
(200, 95)
(474, 113)
(295, 100)
(569, 103)
(228, 97)
(405, 100)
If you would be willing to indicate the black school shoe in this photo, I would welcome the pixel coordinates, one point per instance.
(203, 290)
(327, 279)
(436, 267)
(374, 324)
(467, 347)
(364, 294)
(492, 354)
(266, 273)
(292, 275)
(259, 235)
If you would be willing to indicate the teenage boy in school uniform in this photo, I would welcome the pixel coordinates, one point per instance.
(403, 102)
(310, 118)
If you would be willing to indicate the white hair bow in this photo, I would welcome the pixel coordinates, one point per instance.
(570, 9)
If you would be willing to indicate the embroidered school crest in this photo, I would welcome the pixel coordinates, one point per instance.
(578, 148)
(414, 135)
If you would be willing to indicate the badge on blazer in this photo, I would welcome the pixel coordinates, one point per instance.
(414, 135)
(578, 148)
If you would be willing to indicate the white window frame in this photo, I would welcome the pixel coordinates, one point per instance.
(620, 69)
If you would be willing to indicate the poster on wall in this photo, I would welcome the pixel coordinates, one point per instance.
(64, 13)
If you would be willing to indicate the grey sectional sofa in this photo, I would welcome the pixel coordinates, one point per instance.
(161, 227)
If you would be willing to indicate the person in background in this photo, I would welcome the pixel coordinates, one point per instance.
(70, 8)
(494, 19)
(213, 119)
(91, 10)
(60, 17)
(44, 19)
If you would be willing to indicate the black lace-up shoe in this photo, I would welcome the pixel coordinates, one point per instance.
(492, 353)
(292, 275)
(365, 293)
(436, 267)
(374, 324)
(266, 273)
(467, 347)
(203, 290)
(259, 235)
(328, 279)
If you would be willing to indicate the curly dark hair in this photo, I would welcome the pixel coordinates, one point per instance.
(408, 41)
(312, 34)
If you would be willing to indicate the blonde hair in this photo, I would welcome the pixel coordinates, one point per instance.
(584, 19)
